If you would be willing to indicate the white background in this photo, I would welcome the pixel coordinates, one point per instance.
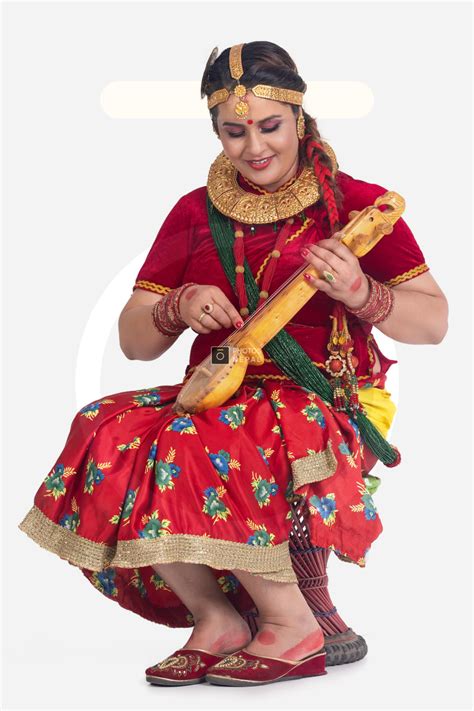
(84, 196)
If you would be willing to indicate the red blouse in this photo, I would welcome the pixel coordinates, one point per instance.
(184, 251)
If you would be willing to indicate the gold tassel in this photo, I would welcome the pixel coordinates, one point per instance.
(342, 363)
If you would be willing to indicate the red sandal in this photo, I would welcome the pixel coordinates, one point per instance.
(247, 669)
(185, 666)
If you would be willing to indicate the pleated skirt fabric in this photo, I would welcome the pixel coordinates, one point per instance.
(137, 485)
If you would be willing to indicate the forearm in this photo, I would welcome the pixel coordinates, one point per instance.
(139, 338)
(416, 318)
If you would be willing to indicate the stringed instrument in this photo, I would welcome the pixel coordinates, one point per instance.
(213, 383)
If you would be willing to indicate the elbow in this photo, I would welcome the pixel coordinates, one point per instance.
(438, 337)
(442, 326)
(126, 352)
(123, 347)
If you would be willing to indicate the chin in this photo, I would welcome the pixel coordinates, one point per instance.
(260, 177)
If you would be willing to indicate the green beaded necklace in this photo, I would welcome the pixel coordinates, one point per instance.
(284, 350)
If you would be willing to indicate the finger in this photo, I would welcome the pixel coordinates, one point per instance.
(320, 284)
(226, 315)
(321, 264)
(336, 247)
(329, 258)
(209, 321)
(200, 329)
(223, 314)
(206, 322)
(218, 297)
(232, 313)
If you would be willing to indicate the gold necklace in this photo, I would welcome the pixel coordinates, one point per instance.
(262, 191)
(233, 201)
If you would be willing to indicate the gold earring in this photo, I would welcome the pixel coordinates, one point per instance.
(300, 127)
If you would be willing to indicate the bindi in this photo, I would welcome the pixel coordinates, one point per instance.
(250, 122)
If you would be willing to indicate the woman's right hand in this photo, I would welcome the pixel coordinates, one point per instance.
(224, 313)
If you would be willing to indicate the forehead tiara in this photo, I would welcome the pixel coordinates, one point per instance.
(263, 91)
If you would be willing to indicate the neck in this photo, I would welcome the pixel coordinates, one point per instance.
(290, 173)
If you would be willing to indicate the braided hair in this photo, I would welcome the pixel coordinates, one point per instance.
(268, 63)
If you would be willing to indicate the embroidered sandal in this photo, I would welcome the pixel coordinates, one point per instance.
(247, 669)
(185, 666)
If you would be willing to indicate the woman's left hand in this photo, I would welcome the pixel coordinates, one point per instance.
(351, 286)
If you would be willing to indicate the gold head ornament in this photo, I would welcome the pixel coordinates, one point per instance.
(263, 91)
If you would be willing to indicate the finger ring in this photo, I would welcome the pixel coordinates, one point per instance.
(329, 277)
(208, 308)
(202, 316)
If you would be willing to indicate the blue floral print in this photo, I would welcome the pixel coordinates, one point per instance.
(105, 582)
(154, 528)
(263, 489)
(233, 416)
(213, 504)
(326, 507)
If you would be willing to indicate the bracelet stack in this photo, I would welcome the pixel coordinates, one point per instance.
(166, 315)
(380, 303)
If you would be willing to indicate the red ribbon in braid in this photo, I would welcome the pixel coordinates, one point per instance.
(322, 173)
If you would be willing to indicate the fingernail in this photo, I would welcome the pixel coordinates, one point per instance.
(307, 276)
(239, 324)
(304, 252)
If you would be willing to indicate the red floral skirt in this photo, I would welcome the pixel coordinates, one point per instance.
(137, 485)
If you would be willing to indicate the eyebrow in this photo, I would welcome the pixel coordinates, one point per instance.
(229, 123)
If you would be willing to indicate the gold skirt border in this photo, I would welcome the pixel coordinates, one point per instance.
(270, 562)
(313, 468)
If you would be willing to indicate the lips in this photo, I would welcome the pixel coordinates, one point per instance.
(260, 164)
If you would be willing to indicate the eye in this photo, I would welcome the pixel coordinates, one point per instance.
(269, 130)
(264, 130)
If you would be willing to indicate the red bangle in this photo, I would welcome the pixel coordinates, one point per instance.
(379, 305)
(165, 313)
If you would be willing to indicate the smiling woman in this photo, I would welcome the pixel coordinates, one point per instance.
(223, 519)
(266, 149)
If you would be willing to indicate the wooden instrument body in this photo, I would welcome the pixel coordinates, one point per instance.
(221, 373)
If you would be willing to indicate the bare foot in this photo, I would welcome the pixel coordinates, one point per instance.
(220, 633)
(292, 638)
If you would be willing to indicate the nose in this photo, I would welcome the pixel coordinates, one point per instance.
(255, 145)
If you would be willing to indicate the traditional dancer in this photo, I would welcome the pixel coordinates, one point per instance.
(185, 519)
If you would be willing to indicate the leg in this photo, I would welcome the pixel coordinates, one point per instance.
(218, 627)
(286, 625)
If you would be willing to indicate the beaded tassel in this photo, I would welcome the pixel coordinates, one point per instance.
(239, 256)
(335, 364)
(341, 364)
(275, 255)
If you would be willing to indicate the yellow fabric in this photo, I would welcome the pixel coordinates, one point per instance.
(380, 408)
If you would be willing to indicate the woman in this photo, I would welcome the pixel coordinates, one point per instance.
(184, 519)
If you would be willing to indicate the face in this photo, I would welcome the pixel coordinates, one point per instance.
(269, 131)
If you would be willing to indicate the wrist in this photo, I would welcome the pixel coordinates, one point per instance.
(165, 313)
(361, 297)
(379, 305)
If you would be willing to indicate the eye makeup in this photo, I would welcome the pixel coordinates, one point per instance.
(264, 130)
